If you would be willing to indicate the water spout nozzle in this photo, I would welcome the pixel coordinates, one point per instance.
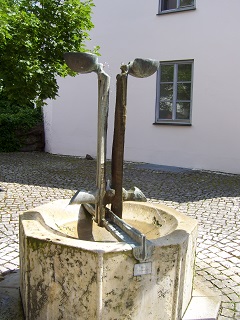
(142, 68)
(82, 62)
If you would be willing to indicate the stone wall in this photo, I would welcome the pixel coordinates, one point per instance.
(32, 140)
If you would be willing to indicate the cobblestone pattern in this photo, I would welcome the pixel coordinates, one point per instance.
(31, 179)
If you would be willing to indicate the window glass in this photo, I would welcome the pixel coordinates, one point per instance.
(169, 4)
(174, 97)
(176, 5)
(185, 3)
(184, 72)
(166, 108)
(166, 91)
(183, 110)
(167, 72)
(184, 91)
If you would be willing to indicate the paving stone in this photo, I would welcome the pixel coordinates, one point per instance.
(227, 313)
(237, 316)
(228, 249)
(233, 297)
(228, 305)
(235, 260)
(3, 269)
(236, 289)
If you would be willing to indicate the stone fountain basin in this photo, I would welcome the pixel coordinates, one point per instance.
(64, 277)
(152, 222)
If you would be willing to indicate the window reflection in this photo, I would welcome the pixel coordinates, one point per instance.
(166, 110)
(171, 5)
(184, 91)
(167, 73)
(183, 110)
(184, 72)
(185, 3)
(166, 91)
(175, 90)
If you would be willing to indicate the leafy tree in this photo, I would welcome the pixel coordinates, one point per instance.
(33, 37)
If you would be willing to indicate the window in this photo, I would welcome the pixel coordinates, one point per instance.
(166, 6)
(174, 92)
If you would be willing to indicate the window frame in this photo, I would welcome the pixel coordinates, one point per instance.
(174, 121)
(177, 9)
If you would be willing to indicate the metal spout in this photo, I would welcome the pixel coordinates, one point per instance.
(142, 68)
(83, 196)
(82, 62)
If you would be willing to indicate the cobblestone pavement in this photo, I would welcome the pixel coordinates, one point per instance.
(31, 179)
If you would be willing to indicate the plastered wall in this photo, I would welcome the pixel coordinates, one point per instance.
(129, 29)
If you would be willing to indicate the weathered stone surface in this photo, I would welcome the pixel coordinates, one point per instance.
(95, 280)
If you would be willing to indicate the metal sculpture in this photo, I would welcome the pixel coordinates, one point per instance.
(106, 192)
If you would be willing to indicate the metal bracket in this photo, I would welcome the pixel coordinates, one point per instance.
(142, 248)
(122, 231)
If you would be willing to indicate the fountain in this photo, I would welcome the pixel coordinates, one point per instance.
(108, 253)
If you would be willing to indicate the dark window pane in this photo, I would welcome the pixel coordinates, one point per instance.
(167, 73)
(184, 91)
(169, 4)
(183, 110)
(185, 3)
(166, 91)
(184, 72)
(165, 111)
(175, 92)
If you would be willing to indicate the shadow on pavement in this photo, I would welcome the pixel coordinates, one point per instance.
(158, 182)
(10, 301)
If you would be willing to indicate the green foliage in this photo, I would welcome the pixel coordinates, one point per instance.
(33, 37)
(14, 118)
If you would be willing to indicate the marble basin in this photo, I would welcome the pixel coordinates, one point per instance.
(73, 269)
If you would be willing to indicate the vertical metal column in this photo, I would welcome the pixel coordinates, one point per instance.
(118, 141)
(103, 102)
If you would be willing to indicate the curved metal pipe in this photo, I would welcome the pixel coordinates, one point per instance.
(83, 62)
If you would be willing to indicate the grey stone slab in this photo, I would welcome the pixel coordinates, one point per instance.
(10, 301)
(202, 308)
(205, 303)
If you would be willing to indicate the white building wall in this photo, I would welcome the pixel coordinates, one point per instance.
(128, 29)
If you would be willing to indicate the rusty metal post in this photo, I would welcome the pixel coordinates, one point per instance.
(118, 141)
